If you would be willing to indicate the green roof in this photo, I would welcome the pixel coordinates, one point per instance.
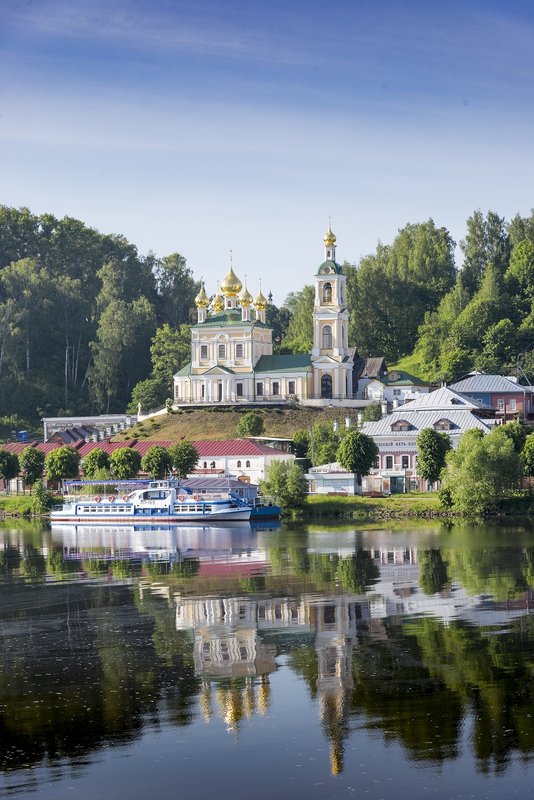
(329, 267)
(186, 370)
(301, 362)
(229, 318)
(397, 377)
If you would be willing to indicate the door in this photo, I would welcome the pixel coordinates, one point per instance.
(326, 387)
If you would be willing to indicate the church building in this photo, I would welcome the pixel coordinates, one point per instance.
(232, 360)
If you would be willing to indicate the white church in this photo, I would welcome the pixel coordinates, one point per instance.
(232, 359)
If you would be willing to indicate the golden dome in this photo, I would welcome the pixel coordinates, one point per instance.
(260, 302)
(202, 300)
(329, 238)
(217, 303)
(231, 285)
(245, 298)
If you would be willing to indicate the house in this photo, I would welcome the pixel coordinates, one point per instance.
(395, 388)
(504, 395)
(364, 371)
(396, 436)
(333, 479)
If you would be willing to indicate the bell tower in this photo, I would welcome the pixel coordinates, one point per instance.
(330, 353)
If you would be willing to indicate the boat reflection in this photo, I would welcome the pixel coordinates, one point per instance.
(208, 544)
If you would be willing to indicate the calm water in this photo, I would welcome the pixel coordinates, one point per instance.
(237, 663)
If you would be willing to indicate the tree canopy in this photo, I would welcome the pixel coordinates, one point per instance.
(357, 452)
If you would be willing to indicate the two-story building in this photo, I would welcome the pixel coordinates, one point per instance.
(504, 395)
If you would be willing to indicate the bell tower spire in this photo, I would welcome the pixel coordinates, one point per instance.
(329, 240)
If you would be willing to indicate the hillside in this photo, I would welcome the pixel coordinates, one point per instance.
(219, 423)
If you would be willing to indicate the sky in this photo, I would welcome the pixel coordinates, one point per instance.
(214, 126)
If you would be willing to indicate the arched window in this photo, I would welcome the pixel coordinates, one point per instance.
(247, 464)
(239, 464)
(327, 292)
(327, 337)
(326, 386)
(205, 464)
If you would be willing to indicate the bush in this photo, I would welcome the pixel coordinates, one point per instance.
(250, 424)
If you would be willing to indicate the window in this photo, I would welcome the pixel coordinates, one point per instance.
(203, 391)
(276, 388)
(389, 462)
(239, 389)
(259, 389)
(291, 387)
(327, 337)
(513, 405)
(239, 464)
(500, 404)
(203, 351)
(239, 351)
(212, 465)
(443, 425)
(396, 392)
(406, 462)
(401, 425)
(327, 293)
(247, 464)
(222, 351)
(205, 465)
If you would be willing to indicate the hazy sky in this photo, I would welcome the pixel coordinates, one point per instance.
(204, 127)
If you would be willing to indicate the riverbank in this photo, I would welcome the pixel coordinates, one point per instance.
(411, 505)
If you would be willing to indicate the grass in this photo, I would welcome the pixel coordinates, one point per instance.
(221, 423)
(19, 505)
(411, 504)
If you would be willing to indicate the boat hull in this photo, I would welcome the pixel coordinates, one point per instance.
(226, 515)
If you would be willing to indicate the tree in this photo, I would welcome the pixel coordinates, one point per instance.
(31, 465)
(42, 499)
(9, 466)
(433, 576)
(372, 413)
(149, 394)
(184, 457)
(157, 461)
(517, 431)
(96, 463)
(324, 443)
(357, 452)
(481, 471)
(301, 444)
(176, 289)
(486, 241)
(432, 447)
(125, 463)
(62, 463)
(299, 336)
(286, 482)
(527, 456)
(250, 424)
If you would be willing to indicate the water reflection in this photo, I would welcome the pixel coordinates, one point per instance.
(424, 638)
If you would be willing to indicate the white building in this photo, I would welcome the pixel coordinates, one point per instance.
(396, 435)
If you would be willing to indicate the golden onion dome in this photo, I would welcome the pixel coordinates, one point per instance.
(245, 298)
(329, 238)
(202, 300)
(217, 303)
(260, 302)
(231, 285)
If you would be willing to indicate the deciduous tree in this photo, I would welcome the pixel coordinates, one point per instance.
(62, 463)
(184, 457)
(357, 452)
(125, 463)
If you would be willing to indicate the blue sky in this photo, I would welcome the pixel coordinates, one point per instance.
(206, 127)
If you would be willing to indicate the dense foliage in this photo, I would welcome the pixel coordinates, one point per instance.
(357, 452)
(184, 456)
(480, 472)
(285, 481)
(77, 312)
(432, 447)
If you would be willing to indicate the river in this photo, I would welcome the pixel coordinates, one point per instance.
(374, 661)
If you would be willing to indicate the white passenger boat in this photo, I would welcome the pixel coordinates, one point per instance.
(157, 501)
